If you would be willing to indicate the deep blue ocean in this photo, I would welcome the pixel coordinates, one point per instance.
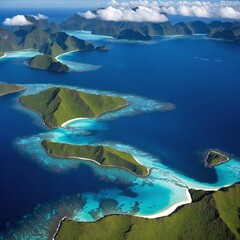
(201, 77)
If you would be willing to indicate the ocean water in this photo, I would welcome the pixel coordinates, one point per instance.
(184, 101)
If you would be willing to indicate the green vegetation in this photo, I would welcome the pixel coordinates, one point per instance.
(103, 155)
(130, 34)
(62, 43)
(46, 62)
(1, 54)
(228, 205)
(10, 88)
(215, 158)
(58, 105)
(215, 216)
(197, 195)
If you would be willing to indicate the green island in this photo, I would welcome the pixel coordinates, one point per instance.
(215, 158)
(102, 48)
(45, 37)
(102, 155)
(59, 105)
(130, 34)
(10, 88)
(211, 215)
(46, 62)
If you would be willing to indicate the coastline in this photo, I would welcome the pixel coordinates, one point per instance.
(20, 90)
(58, 227)
(171, 209)
(58, 56)
(63, 125)
(4, 55)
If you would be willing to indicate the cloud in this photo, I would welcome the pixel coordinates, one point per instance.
(200, 9)
(88, 15)
(221, 9)
(18, 20)
(124, 12)
(40, 17)
(229, 12)
(141, 14)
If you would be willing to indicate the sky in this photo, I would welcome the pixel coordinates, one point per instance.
(51, 3)
(134, 10)
(62, 3)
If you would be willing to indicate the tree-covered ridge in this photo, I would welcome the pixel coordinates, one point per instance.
(58, 105)
(103, 155)
(46, 62)
(10, 88)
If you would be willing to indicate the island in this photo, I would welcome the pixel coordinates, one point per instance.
(102, 48)
(221, 33)
(130, 34)
(10, 88)
(214, 215)
(102, 155)
(215, 158)
(46, 62)
(214, 29)
(59, 105)
(45, 37)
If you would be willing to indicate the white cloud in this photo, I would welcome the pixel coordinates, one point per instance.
(229, 12)
(221, 9)
(40, 17)
(200, 9)
(88, 15)
(123, 12)
(18, 20)
(142, 14)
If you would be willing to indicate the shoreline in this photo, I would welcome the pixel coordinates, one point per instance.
(4, 55)
(12, 92)
(167, 212)
(73, 120)
(171, 209)
(58, 56)
(58, 227)
(63, 125)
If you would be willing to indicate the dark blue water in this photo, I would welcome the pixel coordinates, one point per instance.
(201, 77)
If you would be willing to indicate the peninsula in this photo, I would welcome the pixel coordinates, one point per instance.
(102, 155)
(215, 158)
(10, 88)
(59, 105)
(211, 215)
